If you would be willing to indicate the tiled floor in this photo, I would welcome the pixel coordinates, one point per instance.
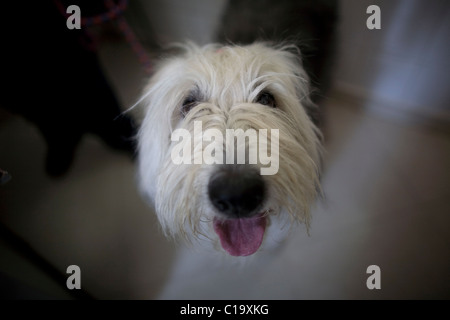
(387, 186)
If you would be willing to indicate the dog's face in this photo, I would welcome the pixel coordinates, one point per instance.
(226, 145)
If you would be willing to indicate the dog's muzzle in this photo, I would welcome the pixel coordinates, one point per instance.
(238, 193)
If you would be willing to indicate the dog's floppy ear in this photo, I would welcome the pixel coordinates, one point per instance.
(309, 94)
(314, 112)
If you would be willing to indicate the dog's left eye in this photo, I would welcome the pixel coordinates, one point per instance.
(188, 104)
(266, 99)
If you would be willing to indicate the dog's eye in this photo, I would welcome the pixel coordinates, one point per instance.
(188, 104)
(266, 99)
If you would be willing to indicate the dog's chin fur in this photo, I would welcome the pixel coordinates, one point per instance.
(227, 80)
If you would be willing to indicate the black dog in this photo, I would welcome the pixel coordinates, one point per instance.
(55, 81)
(309, 24)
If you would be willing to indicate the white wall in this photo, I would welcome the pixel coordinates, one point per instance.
(405, 66)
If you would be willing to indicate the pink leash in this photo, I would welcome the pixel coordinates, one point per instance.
(115, 12)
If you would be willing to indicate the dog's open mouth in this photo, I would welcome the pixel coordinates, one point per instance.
(241, 237)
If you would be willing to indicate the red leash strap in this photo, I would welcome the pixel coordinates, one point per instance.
(115, 12)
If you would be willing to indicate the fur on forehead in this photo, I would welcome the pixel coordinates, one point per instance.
(241, 71)
(217, 73)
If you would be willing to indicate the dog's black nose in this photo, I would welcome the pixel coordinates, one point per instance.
(236, 192)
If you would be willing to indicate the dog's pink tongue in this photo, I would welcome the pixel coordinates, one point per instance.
(240, 237)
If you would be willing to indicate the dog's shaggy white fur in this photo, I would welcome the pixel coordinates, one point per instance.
(222, 86)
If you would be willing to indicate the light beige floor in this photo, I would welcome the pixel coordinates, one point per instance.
(387, 187)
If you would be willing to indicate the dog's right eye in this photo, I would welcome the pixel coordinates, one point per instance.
(266, 99)
(188, 104)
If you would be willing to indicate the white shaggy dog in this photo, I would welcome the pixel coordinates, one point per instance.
(255, 87)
